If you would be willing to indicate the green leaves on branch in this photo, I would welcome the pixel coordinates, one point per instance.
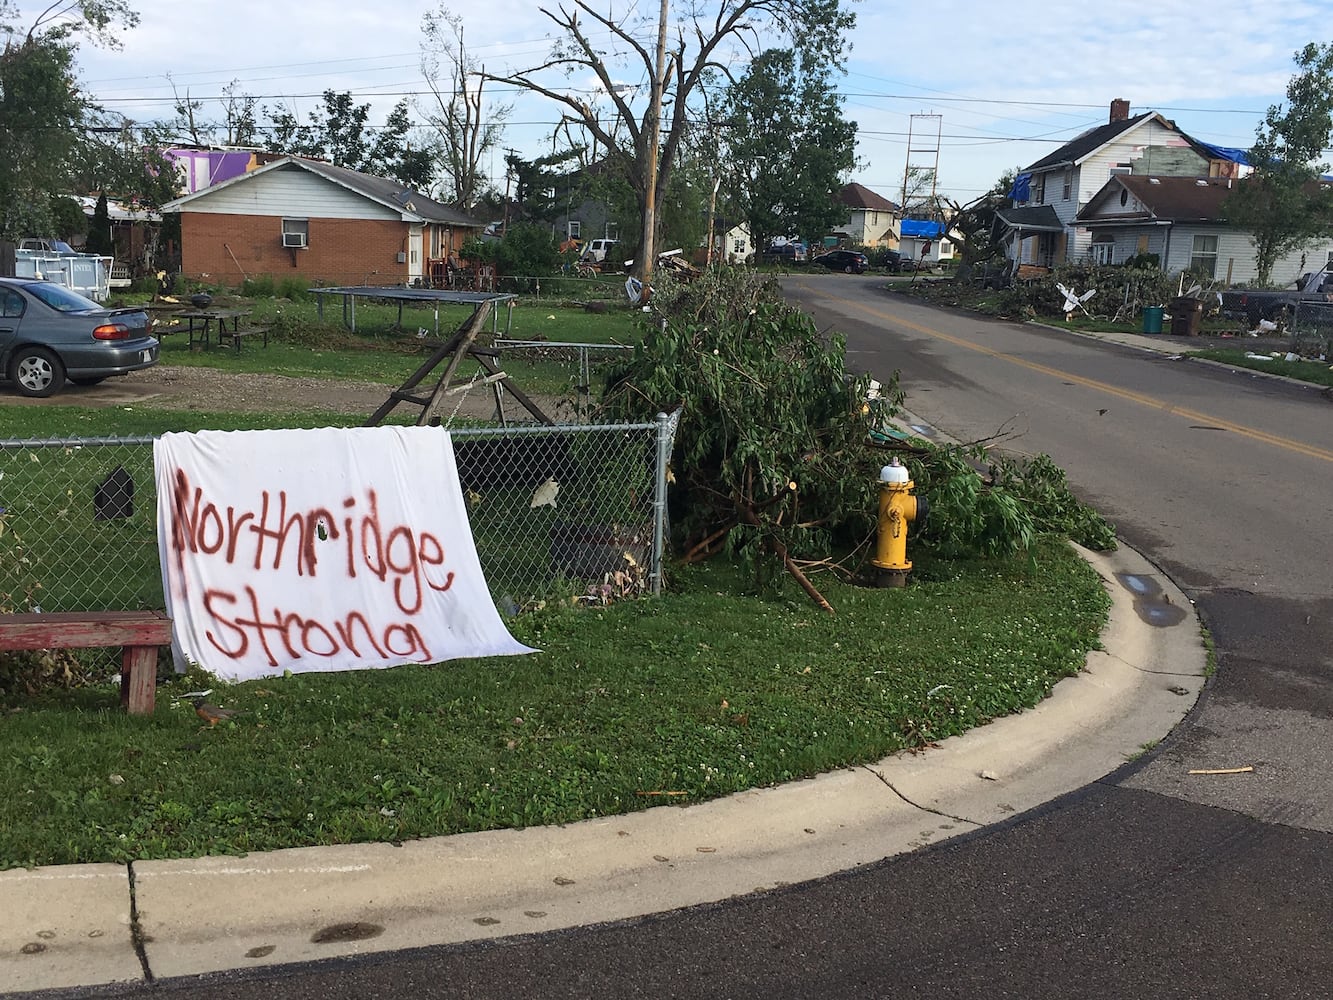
(1001, 512)
(774, 458)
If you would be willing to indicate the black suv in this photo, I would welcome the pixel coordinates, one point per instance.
(849, 261)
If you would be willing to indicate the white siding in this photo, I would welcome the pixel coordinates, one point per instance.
(1174, 246)
(290, 192)
(1093, 173)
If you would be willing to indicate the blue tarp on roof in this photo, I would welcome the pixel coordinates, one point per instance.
(920, 228)
(1227, 153)
(1022, 189)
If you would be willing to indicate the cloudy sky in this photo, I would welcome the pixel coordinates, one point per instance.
(1007, 82)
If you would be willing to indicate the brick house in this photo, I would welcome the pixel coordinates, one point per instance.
(297, 217)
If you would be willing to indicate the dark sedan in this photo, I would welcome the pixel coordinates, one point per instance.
(49, 333)
(843, 260)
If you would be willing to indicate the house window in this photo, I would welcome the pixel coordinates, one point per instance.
(1068, 185)
(575, 230)
(612, 231)
(1103, 250)
(945, 247)
(1203, 256)
(296, 233)
(1121, 169)
(1039, 189)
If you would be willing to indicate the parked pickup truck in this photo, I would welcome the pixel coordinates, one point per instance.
(1253, 304)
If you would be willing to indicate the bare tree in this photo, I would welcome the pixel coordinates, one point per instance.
(703, 44)
(466, 129)
(238, 126)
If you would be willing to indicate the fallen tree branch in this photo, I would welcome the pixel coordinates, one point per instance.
(749, 515)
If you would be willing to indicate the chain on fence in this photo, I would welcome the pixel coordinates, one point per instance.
(578, 510)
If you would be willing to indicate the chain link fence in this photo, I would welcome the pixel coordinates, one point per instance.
(577, 510)
(1311, 328)
(580, 364)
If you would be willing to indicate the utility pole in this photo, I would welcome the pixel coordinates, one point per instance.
(504, 226)
(655, 113)
(712, 213)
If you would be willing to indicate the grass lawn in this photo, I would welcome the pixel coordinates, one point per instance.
(1317, 372)
(382, 349)
(705, 691)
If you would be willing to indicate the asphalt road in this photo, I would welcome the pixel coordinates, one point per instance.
(1150, 883)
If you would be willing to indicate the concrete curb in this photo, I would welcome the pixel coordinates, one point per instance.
(95, 924)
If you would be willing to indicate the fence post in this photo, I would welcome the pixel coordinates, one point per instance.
(664, 436)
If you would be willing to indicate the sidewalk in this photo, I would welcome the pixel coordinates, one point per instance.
(89, 924)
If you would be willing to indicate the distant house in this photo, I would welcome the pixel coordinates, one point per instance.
(925, 240)
(1050, 193)
(1180, 220)
(871, 219)
(579, 216)
(306, 218)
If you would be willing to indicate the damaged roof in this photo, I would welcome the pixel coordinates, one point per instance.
(1089, 142)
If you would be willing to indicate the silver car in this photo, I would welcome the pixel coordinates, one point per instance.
(49, 333)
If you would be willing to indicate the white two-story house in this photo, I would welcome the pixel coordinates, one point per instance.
(1048, 195)
(872, 218)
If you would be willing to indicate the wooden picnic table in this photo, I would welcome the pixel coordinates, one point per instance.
(204, 322)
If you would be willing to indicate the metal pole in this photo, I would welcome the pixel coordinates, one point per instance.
(660, 501)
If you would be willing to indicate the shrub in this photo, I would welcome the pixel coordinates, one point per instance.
(294, 288)
(260, 286)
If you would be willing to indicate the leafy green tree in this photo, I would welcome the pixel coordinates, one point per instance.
(67, 219)
(339, 132)
(49, 130)
(707, 38)
(1282, 203)
(41, 112)
(542, 188)
(99, 232)
(789, 146)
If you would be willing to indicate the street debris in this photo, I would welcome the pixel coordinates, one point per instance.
(1223, 770)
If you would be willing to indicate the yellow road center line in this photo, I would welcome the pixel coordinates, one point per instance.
(1143, 399)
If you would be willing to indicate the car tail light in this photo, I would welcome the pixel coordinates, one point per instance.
(111, 331)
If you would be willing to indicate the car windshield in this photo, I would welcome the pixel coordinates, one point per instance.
(60, 298)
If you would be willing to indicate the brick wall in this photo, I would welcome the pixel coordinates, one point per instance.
(340, 251)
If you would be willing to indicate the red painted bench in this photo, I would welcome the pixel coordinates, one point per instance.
(139, 633)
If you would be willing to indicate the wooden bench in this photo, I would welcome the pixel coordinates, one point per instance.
(236, 336)
(139, 633)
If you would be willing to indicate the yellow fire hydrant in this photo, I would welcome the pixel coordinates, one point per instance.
(897, 509)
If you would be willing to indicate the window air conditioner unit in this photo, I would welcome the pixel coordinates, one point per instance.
(296, 240)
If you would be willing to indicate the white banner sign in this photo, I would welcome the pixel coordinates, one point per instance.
(327, 549)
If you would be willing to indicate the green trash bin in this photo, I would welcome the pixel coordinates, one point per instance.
(1152, 319)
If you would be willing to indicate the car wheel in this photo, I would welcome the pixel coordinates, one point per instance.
(36, 372)
(89, 381)
(847, 269)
